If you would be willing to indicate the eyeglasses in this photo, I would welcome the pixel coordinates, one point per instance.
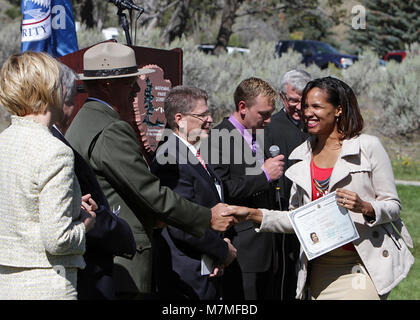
(292, 101)
(201, 116)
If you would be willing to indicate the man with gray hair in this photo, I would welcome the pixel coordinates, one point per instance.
(291, 86)
(287, 125)
(286, 131)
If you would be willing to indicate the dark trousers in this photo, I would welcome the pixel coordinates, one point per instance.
(278, 284)
(286, 277)
(239, 285)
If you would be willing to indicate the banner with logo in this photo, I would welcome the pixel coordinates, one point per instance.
(48, 25)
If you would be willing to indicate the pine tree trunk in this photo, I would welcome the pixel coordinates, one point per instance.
(86, 14)
(228, 19)
(178, 22)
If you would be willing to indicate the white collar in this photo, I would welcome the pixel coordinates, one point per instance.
(191, 147)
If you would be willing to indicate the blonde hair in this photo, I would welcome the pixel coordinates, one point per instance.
(30, 83)
(249, 89)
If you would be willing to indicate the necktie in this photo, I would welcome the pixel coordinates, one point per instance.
(256, 150)
(201, 160)
(253, 144)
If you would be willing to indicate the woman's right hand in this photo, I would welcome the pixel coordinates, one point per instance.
(244, 213)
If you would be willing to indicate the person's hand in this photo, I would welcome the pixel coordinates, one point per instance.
(88, 203)
(351, 201)
(87, 215)
(244, 213)
(219, 220)
(231, 253)
(274, 167)
(218, 271)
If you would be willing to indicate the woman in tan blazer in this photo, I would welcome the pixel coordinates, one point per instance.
(339, 158)
(42, 226)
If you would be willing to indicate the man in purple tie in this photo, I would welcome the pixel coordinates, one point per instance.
(248, 176)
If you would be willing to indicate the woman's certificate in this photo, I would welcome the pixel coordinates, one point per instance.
(322, 225)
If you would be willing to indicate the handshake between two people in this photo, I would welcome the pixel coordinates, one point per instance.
(225, 215)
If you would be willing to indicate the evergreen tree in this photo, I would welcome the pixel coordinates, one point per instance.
(314, 23)
(390, 25)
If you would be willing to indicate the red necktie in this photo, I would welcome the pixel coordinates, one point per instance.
(201, 160)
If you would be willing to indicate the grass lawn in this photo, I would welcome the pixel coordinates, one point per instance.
(409, 288)
(406, 169)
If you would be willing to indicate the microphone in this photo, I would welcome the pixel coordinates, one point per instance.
(126, 4)
(274, 152)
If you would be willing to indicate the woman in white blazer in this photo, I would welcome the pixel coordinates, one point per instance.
(42, 225)
(339, 158)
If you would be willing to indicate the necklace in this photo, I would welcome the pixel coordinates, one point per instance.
(321, 186)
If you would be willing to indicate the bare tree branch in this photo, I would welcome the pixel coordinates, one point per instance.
(157, 12)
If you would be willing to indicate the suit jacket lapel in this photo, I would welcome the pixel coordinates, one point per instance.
(300, 171)
(185, 156)
(342, 167)
(215, 177)
(246, 148)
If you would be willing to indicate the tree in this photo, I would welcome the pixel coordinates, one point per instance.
(390, 25)
(302, 14)
(92, 13)
(178, 23)
(312, 21)
(225, 30)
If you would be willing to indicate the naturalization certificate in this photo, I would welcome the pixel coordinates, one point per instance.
(322, 225)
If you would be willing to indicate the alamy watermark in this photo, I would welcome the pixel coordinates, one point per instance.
(358, 282)
(359, 17)
(221, 147)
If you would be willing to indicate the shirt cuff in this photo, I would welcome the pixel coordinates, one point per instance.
(266, 175)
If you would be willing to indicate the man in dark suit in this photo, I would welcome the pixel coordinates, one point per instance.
(237, 156)
(180, 257)
(286, 130)
(101, 133)
(111, 235)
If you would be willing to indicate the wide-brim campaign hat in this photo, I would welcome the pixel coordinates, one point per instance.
(110, 60)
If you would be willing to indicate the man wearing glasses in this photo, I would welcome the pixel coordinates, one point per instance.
(188, 267)
(286, 130)
(287, 125)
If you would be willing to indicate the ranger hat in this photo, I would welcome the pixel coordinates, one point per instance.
(110, 60)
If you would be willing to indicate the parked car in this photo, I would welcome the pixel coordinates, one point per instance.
(110, 33)
(317, 52)
(395, 55)
(209, 48)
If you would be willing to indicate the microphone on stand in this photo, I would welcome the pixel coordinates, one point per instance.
(274, 152)
(126, 4)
